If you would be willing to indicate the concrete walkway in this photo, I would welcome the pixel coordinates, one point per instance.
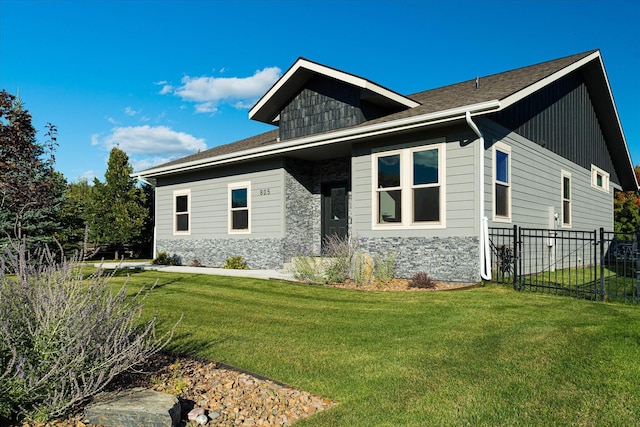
(256, 274)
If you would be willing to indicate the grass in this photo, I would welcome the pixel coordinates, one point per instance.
(486, 356)
(621, 286)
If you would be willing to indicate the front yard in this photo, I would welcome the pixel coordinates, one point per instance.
(484, 356)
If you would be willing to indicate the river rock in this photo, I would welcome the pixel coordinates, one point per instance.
(134, 408)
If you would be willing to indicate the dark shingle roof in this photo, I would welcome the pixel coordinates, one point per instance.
(493, 87)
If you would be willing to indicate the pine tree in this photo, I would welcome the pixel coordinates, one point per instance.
(31, 191)
(118, 212)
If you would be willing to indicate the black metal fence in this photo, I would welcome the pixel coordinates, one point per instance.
(596, 265)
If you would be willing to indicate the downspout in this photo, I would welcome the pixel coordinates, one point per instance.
(485, 259)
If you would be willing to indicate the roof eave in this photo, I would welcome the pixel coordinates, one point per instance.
(342, 135)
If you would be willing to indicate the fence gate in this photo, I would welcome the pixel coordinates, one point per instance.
(596, 265)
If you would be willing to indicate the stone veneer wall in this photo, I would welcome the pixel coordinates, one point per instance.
(258, 253)
(448, 259)
(303, 201)
(301, 209)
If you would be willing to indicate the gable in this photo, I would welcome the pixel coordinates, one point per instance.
(562, 118)
(324, 104)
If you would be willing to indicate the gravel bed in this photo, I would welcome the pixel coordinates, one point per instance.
(229, 397)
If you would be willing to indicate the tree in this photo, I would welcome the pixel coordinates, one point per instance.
(626, 209)
(118, 213)
(74, 215)
(31, 191)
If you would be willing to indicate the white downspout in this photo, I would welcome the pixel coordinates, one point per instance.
(485, 259)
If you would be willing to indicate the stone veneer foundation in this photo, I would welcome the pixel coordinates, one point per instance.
(447, 259)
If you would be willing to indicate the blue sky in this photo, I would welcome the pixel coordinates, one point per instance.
(165, 78)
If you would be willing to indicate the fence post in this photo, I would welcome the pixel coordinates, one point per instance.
(601, 264)
(516, 257)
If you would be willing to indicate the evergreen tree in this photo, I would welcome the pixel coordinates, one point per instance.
(118, 212)
(31, 191)
(74, 215)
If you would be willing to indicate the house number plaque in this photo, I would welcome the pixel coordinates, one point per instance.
(264, 191)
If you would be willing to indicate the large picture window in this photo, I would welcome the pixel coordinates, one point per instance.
(181, 212)
(409, 187)
(240, 208)
(502, 182)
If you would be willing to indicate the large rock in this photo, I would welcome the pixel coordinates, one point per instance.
(134, 408)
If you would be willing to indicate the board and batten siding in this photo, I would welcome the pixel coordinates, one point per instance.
(461, 170)
(210, 201)
(536, 186)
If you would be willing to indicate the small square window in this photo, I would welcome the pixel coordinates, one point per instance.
(599, 179)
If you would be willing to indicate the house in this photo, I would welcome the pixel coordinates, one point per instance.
(420, 176)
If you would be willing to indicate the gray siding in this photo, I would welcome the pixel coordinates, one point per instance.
(461, 184)
(209, 240)
(561, 118)
(536, 186)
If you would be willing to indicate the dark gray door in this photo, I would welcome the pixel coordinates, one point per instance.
(335, 210)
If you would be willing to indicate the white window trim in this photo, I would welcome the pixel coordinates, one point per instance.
(499, 146)
(230, 188)
(406, 187)
(595, 171)
(177, 193)
(564, 174)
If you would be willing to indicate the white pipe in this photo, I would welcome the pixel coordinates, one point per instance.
(483, 223)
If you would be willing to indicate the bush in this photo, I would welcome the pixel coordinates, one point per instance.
(63, 337)
(422, 281)
(385, 268)
(308, 269)
(165, 259)
(235, 263)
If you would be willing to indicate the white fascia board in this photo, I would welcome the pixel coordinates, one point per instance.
(333, 73)
(615, 110)
(332, 138)
(513, 98)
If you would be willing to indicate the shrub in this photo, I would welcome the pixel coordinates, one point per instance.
(308, 269)
(422, 280)
(63, 337)
(385, 268)
(235, 263)
(165, 259)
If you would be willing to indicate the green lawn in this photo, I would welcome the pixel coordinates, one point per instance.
(486, 356)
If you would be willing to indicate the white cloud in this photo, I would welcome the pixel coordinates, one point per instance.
(130, 111)
(151, 141)
(209, 92)
(112, 120)
(166, 89)
(148, 162)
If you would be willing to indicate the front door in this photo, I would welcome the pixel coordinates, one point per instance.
(335, 210)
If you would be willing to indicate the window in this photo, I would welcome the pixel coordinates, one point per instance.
(566, 199)
(599, 178)
(502, 182)
(182, 212)
(409, 187)
(240, 207)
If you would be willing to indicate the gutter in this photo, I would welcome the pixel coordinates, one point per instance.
(327, 139)
(485, 259)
